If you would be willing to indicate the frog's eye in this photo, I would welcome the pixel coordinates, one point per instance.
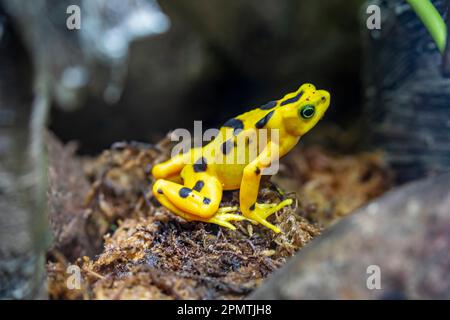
(307, 111)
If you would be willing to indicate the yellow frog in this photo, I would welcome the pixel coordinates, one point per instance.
(191, 184)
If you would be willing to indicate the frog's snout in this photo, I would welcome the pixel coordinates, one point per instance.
(325, 97)
(323, 102)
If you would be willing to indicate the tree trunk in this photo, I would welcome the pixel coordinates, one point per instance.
(23, 233)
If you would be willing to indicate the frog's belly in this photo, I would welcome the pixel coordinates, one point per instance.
(230, 175)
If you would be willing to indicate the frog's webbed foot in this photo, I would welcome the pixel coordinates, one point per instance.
(223, 217)
(262, 211)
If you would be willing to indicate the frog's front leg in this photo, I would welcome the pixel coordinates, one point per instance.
(250, 187)
(197, 200)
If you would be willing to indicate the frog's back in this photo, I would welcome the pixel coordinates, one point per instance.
(228, 158)
(234, 147)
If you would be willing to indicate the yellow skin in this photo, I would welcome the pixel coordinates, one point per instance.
(205, 172)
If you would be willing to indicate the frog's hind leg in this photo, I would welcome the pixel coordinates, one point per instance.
(170, 169)
(187, 199)
(198, 199)
(166, 203)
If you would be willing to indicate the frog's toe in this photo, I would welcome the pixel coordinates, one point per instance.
(262, 211)
(223, 219)
(222, 210)
(267, 209)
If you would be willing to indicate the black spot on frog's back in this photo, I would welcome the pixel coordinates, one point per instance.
(268, 105)
(263, 121)
(200, 165)
(227, 146)
(293, 99)
(235, 124)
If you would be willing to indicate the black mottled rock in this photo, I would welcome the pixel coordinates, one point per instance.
(404, 237)
(407, 90)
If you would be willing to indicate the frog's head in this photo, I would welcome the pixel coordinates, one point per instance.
(304, 108)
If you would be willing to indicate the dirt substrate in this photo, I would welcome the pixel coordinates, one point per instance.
(148, 253)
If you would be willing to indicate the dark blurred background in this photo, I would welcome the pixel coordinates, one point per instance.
(217, 59)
